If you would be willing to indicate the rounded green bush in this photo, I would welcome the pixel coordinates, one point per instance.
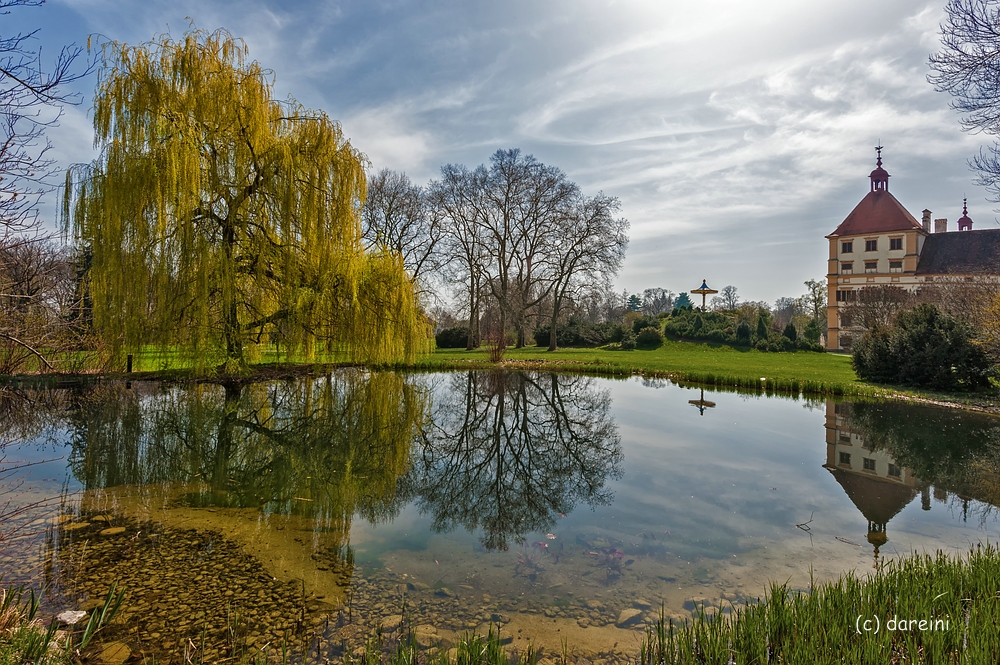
(649, 336)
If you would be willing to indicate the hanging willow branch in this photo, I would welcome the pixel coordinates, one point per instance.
(221, 219)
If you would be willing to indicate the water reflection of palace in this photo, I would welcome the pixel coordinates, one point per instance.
(877, 486)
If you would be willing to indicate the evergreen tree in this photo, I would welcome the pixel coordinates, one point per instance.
(761, 327)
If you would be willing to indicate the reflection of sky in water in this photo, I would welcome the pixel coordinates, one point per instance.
(695, 487)
(48, 457)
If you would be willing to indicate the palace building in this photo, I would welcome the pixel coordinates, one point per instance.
(881, 243)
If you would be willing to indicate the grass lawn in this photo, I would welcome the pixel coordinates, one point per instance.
(703, 363)
(694, 362)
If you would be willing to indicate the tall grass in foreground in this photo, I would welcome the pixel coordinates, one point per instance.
(25, 639)
(852, 620)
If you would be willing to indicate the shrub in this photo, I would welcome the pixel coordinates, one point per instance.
(578, 333)
(812, 331)
(649, 337)
(645, 322)
(743, 333)
(922, 347)
(790, 332)
(452, 338)
(628, 341)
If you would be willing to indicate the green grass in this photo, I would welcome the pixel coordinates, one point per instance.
(23, 637)
(715, 365)
(709, 364)
(960, 597)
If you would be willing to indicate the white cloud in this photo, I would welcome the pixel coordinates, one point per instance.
(736, 133)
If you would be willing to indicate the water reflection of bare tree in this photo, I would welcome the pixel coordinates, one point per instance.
(509, 451)
(24, 416)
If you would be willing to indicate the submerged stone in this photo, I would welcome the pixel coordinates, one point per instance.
(628, 617)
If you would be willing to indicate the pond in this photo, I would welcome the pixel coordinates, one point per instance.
(566, 508)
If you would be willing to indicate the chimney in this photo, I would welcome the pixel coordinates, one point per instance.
(926, 222)
(940, 225)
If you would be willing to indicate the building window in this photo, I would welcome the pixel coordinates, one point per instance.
(895, 243)
(871, 245)
(894, 471)
(895, 266)
(846, 321)
(871, 266)
(869, 463)
(845, 438)
(845, 296)
(845, 458)
(847, 268)
(847, 247)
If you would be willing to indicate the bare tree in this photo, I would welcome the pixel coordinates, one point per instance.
(43, 322)
(33, 273)
(730, 299)
(588, 247)
(657, 300)
(455, 198)
(968, 68)
(815, 298)
(524, 202)
(31, 100)
(508, 226)
(397, 217)
(875, 306)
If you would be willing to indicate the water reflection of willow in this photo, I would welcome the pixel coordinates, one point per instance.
(956, 451)
(509, 451)
(326, 449)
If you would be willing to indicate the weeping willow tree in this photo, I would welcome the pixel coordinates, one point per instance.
(222, 220)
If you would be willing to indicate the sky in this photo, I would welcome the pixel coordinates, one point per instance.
(736, 133)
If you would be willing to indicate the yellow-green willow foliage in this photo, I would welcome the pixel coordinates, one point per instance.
(221, 220)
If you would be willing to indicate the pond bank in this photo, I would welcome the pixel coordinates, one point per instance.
(800, 373)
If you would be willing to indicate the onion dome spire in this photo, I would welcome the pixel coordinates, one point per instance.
(965, 222)
(879, 177)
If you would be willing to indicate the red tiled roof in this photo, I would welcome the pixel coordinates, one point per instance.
(879, 212)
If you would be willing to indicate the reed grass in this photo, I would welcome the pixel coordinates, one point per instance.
(23, 638)
(959, 597)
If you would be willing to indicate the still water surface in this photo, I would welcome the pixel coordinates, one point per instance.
(561, 506)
